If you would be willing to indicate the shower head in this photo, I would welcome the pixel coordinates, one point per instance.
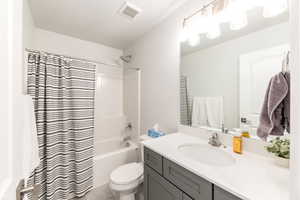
(126, 59)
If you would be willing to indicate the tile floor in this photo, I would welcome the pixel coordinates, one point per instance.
(104, 193)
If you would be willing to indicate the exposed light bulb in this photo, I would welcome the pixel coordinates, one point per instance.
(237, 14)
(194, 40)
(274, 8)
(238, 21)
(200, 24)
(213, 28)
(214, 31)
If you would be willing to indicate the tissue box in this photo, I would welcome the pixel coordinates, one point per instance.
(155, 134)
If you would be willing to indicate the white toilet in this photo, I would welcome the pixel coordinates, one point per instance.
(125, 180)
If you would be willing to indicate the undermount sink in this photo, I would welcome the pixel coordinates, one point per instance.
(207, 154)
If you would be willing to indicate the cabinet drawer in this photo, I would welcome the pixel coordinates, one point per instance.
(153, 160)
(197, 188)
(221, 194)
(157, 188)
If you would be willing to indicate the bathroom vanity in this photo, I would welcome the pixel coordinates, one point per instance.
(165, 180)
(172, 174)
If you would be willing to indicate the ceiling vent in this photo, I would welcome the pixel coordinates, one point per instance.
(129, 11)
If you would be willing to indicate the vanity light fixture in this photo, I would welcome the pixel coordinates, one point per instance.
(237, 14)
(208, 18)
(272, 8)
(213, 27)
(194, 40)
(238, 21)
(214, 31)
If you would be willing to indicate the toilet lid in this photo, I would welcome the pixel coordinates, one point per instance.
(127, 173)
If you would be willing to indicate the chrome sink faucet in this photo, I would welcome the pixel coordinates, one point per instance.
(224, 130)
(214, 140)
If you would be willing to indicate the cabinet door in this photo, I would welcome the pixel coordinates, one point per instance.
(157, 188)
(196, 187)
(153, 160)
(186, 197)
(221, 194)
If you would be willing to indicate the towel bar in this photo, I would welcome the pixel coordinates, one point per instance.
(21, 190)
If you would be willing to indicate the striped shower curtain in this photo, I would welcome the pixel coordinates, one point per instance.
(63, 92)
(185, 103)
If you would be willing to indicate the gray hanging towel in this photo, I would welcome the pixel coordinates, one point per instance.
(272, 114)
(287, 103)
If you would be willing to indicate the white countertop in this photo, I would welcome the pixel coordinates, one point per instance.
(252, 177)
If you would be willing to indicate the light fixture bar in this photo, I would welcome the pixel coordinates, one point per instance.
(199, 10)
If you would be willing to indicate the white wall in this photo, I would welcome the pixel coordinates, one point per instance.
(295, 99)
(132, 101)
(215, 71)
(28, 26)
(5, 148)
(11, 60)
(66, 45)
(157, 53)
(28, 37)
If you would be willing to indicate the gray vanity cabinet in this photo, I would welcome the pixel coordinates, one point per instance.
(165, 180)
(220, 194)
(154, 160)
(157, 188)
(195, 186)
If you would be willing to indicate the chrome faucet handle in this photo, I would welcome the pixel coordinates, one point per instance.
(214, 140)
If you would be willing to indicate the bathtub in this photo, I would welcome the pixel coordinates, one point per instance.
(109, 154)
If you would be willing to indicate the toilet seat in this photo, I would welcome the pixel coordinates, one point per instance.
(127, 174)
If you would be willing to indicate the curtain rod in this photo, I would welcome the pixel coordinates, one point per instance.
(74, 58)
(199, 10)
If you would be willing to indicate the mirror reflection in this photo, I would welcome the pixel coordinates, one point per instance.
(228, 82)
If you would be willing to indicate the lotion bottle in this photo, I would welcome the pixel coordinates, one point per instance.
(237, 144)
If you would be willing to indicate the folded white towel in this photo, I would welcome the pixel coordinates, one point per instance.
(30, 139)
(199, 115)
(214, 108)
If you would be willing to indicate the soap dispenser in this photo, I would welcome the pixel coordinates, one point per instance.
(237, 143)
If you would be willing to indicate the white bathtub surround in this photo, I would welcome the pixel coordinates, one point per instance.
(132, 101)
(253, 176)
(110, 154)
(109, 113)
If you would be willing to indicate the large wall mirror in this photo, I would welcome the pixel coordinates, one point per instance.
(224, 79)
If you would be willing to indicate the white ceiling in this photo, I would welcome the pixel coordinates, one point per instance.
(256, 22)
(98, 20)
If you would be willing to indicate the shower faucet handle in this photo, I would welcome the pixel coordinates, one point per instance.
(129, 126)
(21, 190)
(127, 138)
